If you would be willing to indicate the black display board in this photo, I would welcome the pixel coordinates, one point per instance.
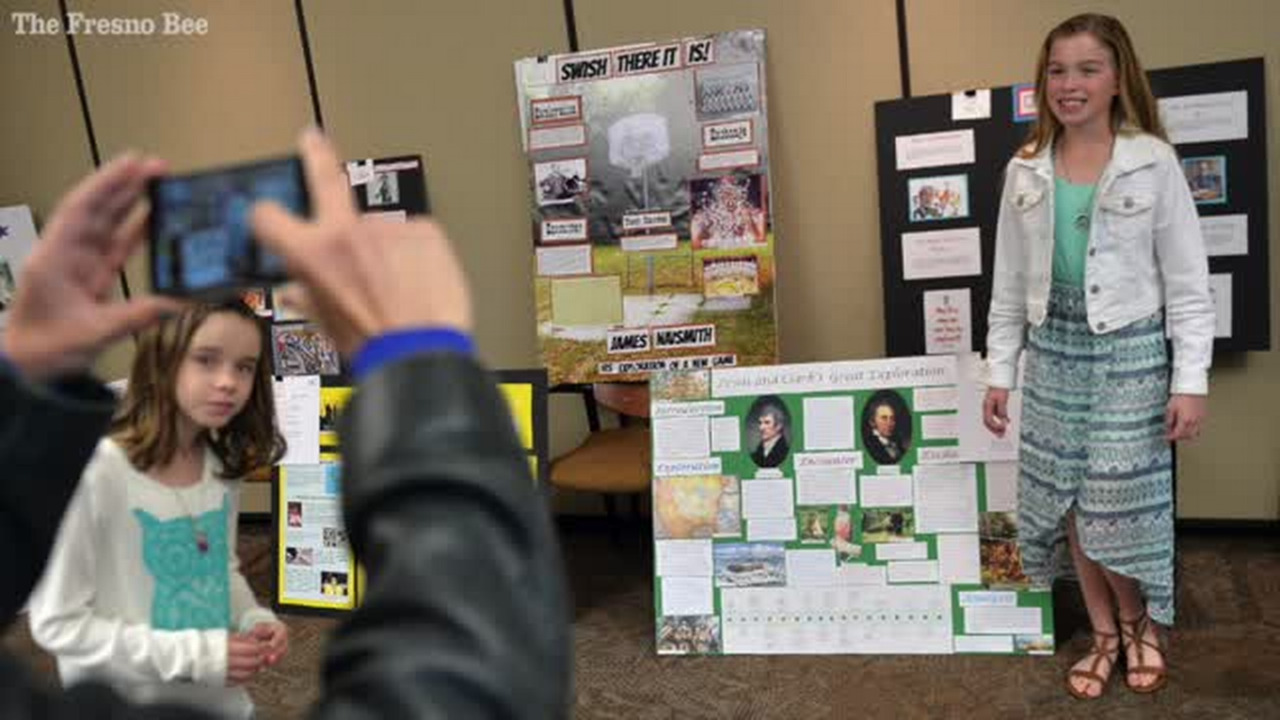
(995, 140)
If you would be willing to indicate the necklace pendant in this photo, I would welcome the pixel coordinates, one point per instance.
(202, 542)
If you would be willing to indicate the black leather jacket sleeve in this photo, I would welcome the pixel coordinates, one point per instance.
(466, 613)
(47, 435)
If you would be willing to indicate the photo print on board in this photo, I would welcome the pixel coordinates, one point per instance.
(767, 427)
(944, 197)
(886, 427)
(728, 212)
(302, 349)
(1207, 178)
(728, 90)
(560, 182)
(383, 189)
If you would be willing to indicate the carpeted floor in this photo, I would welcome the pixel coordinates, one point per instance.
(1225, 653)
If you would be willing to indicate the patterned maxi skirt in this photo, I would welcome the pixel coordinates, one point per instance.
(1093, 444)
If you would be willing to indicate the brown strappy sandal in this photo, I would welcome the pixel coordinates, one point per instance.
(1099, 654)
(1136, 636)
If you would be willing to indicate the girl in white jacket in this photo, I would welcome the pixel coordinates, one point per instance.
(144, 588)
(1098, 247)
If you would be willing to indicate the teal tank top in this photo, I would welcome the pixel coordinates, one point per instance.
(1072, 211)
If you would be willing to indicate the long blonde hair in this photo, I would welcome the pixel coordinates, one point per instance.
(146, 424)
(1135, 105)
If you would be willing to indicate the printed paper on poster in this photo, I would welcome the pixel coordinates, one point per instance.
(1220, 290)
(717, 136)
(1225, 234)
(829, 423)
(948, 324)
(941, 253)
(566, 230)
(971, 105)
(1211, 117)
(566, 260)
(297, 400)
(557, 136)
(555, 110)
(952, 147)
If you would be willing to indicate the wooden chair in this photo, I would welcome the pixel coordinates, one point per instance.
(611, 461)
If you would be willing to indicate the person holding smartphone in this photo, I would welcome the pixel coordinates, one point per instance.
(446, 629)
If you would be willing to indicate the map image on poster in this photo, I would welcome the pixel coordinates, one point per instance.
(650, 202)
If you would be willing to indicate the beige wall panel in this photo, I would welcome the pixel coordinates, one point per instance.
(42, 133)
(828, 62)
(43, 138)
(238, 92)
(1233, 471)
(437, 79)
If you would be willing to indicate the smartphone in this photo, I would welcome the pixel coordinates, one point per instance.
(201, 242)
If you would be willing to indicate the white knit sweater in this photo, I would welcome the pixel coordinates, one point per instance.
(130, 596)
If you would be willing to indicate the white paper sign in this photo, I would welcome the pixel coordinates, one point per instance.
(767, 499)
(687, 596)
(948, 326)
(941, 253)
(946, 498)
(1220, 290)
(724, 435)
(1225, 234)
(783, 528)
(953, 147)
(683, 438)
(913, 571)
(568, 260)
(984, 643)
(988, 620)
(885, 490)
(939, 427)
(297, 399)
(811, 567)
(826, 486)
(687, 558)
(971, 105)
(959, 558)
(828, 423)
(977, 443)
(1211, 117)
(902, 551)
(1002, 486)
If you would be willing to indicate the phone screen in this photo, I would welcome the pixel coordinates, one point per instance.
(200, 232)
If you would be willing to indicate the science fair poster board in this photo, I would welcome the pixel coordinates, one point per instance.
(823, 508)
(941, 160)
(651, 212)
(316, 571)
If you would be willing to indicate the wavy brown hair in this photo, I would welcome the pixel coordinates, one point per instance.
(146, 424)
(1135, 105)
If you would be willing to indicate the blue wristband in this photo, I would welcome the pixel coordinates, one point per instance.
(396, 344)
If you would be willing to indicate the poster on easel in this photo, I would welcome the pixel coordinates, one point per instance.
(825, 509)
(316, 571)
(651, 209)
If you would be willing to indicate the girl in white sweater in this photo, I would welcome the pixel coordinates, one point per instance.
(144, 588)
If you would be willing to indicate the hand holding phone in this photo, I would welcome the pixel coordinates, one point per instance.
(201, 242)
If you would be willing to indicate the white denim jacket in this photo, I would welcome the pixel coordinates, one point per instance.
(1145, 250)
